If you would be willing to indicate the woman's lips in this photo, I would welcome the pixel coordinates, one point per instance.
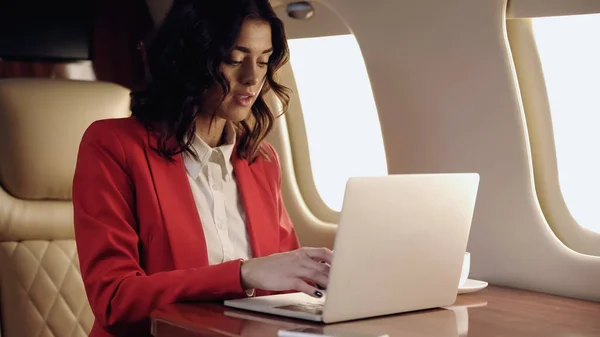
(243, 100)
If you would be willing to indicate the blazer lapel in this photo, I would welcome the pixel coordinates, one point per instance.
(180, 215)
(261, 215)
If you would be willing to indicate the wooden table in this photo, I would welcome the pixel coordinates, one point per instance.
(492, 312)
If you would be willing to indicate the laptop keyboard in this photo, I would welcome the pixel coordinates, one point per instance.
(311, 308)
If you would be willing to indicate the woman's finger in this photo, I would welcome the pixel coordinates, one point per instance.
(312, 264)
(304, 287)
(313, 276)
(319, 254)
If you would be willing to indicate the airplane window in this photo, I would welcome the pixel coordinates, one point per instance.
(342, 125)
(570, 57)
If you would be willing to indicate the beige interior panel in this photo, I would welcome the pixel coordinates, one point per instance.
(539, 8)
(323, 23)
(448, 99)
(539, 124)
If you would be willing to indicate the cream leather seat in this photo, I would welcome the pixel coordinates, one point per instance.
(41, 124)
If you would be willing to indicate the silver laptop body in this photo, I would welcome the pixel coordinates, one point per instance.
(399, 248)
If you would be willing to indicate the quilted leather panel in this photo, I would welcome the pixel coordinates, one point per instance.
(42, 290)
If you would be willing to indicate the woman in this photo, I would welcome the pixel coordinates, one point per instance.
(182, 202)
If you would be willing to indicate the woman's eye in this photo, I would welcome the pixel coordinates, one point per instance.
(234, 62)
(263, 64)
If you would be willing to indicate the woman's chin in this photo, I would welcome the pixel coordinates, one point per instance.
(236, 114)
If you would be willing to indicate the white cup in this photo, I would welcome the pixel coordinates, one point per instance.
(464, 275)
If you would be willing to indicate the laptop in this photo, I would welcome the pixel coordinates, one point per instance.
(399, 247)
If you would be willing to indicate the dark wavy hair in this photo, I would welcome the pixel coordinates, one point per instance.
(183, 61)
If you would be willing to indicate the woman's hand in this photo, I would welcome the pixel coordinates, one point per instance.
(295, 270)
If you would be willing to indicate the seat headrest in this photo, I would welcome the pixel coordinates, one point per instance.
(41, 125)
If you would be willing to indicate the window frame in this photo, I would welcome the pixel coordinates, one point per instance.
(536, 106)
(300, 154)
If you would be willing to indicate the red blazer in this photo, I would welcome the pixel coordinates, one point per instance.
(139, 236)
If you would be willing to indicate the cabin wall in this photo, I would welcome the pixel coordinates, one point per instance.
(448, 101)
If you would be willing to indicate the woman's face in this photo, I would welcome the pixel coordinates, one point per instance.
(245, 70)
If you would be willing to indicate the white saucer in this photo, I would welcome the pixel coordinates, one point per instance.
(471, 286)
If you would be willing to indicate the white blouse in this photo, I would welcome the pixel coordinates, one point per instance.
(216, 196)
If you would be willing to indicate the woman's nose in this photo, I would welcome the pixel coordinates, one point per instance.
(250, 76)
